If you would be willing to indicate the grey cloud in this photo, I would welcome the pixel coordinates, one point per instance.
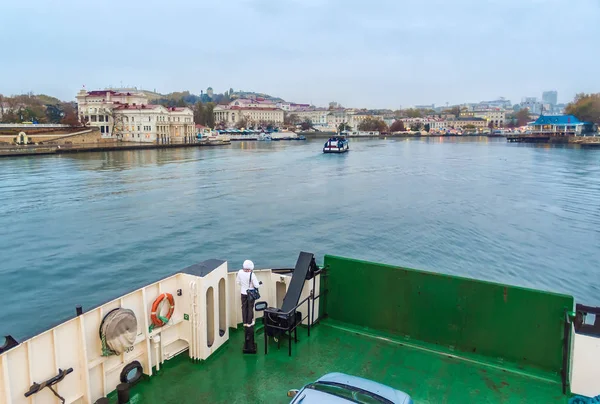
(379, 53)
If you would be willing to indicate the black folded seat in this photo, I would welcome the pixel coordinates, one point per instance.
(285, 319)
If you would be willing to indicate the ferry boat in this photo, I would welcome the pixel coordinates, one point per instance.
(336, 144)
(436, 337)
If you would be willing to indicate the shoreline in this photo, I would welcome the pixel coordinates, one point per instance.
(327, 135)
(27, 151)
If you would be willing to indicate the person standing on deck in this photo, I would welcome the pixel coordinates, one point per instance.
(244, 277)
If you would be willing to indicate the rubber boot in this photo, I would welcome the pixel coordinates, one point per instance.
(249, 344)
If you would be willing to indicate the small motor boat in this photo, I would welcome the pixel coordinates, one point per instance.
(336, 144)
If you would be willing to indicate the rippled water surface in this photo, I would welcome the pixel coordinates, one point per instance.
(79, 229)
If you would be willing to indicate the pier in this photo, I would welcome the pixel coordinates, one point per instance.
(528, 138)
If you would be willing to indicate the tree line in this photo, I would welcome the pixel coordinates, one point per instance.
(586, 107)
(38, 108)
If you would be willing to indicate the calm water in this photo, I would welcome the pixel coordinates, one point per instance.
(80, 229)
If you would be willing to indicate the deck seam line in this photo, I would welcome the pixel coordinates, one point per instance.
(414, 346)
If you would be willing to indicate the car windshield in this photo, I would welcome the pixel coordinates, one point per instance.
(350, 393)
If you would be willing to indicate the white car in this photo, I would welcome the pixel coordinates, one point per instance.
(339, 388)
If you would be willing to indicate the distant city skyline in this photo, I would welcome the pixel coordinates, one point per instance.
(378, 54)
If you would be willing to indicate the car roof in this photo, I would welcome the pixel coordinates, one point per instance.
(396, 396)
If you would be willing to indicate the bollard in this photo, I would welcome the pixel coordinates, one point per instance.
(123, 393)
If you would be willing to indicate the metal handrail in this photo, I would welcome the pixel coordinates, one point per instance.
(290, 311)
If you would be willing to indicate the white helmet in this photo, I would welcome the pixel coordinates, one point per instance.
(249, 265)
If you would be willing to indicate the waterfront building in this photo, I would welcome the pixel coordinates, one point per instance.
(436, 125)
(337, 117)
(286, 106)
(550, 97)
(356, 118)
(127, 116)
(501, 102)
(496, 116)
(561, 125)
(299, 107)
(463, 122)
(532, 104)
(389, 119)
(254, 103)
(318, 116)
(254, 115)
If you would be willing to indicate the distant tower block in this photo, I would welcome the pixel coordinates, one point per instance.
(209, 92)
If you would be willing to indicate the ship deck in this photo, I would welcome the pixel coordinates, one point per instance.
(228, 376)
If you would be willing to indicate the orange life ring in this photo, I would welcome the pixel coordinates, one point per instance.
(157, 319)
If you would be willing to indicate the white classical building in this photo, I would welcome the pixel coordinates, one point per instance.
(128, 117)
(318, 116)
(336, 117)
(356, 118)
(495, 116)
(256, 112)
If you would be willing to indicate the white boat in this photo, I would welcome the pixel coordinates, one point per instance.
(336, 144)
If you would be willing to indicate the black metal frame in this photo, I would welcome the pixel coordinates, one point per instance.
(292, 326)
(586, 329)
(36, 387)
(291, 315)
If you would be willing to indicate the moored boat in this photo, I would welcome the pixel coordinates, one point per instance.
(336, 144)
(437, 337)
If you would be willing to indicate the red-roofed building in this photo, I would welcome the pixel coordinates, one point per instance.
(129, 117)
(254, 111)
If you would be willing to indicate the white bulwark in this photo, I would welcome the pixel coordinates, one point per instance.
(129, 117)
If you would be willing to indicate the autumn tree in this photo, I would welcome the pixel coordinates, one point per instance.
(69, 116)
(397, 126)
(523, 117)
(242, 123)
(413, 113)
(372, 124)
(586, 107)
(306, 124)
(199, 114)
(415, 127)
(209, 116)
(54, 113)
(291, 119)
(9, 114)
(344, 126)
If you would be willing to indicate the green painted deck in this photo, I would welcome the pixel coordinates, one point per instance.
(429, 377)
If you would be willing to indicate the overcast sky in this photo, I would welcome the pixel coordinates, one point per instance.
(361, 53)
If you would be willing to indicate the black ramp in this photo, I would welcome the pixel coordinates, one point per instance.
(292, 297)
